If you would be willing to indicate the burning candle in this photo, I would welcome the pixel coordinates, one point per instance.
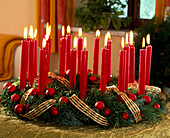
(62, 54)
(142, 68)
(109, 47)
(72, 76)
(68, 47)
(132, 60)
(96, 53)
(148, 60)
(83, 71)
(79, 48)
(24, 57)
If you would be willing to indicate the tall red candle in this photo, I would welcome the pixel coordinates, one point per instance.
(83, 71)
(96, 53)
(68, 47)
(24, 57)
(109, 47)
(142, 70)
(103, 75)
(79, 48)
(49, 52)
(148, 60)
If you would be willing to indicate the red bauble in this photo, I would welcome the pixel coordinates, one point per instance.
(147, 99)
(19, 108)
(92, 78)
(11, 89)
(63, 100)
(125, 116)
(15, 97)
(33, 91)
(99, 105)
(156, 105)
(89, 71)
(68, 72)
(132, 96)
(54, 112)
(48, 81)
(7, 85)
(107, 111)
(50, 92)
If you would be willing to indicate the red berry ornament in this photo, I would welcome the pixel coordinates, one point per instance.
(7, 85)
(54, 111)
(63, 100)
(99, 105)
(15, 97)
(11, 89)
(27, 106)
(50, 92)
(147, 99)
(89, 71)
(48, 81)
(156, 105)
(125, 116)
(18, 108)
(107, 111)
(33, 91)
(92, 78)
(132, 96)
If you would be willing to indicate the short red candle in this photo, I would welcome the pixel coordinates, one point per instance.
(72, 76)
(142, 62)
(23, 67)
(41, 81)
(132, 65)
(121, 71)
(79, 49)
(68, 50)
(103, 75)
(83, 74)
(148, 64)
(109, 47)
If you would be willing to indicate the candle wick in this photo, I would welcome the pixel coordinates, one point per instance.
(84, 48)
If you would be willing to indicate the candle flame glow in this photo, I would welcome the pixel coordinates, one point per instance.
(126, 38)
(85, 43)
(63, 29)
(123, 42)
(105, 39)
(97, 33)
(31, 32)
(49, 30)
(35, 33)
(131, 38)
(108, 35)
(68, 29)
(44, 43)
(75, 42)
(80, 32)
(148, 39)
(143, 42)
(25, 32)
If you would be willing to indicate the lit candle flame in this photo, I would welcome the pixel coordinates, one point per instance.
(80, 32)
(131, 38)
(126, 38)
(108, 35)
(85, 43)
(25, 32)
(44, 43)
(31, 32)
(143, 42)
(122, 43)
(105, 40)
(35, 33)
(75, 42)
(68, 29)
(97, 33)
(148, 39)
(49, 30)
(63, 29)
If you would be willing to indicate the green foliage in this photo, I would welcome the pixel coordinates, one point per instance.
(70, 115)
(97, 14)
(159, 31)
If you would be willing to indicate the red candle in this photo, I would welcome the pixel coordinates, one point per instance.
(45, 63)
(79, 48)
(148, 60)
(72, 76)
(103, 75)
(109, 47)
(24, 57)
(68, 47)
(83, 71)
(96, 53)
(35, 60)
(142, 70)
